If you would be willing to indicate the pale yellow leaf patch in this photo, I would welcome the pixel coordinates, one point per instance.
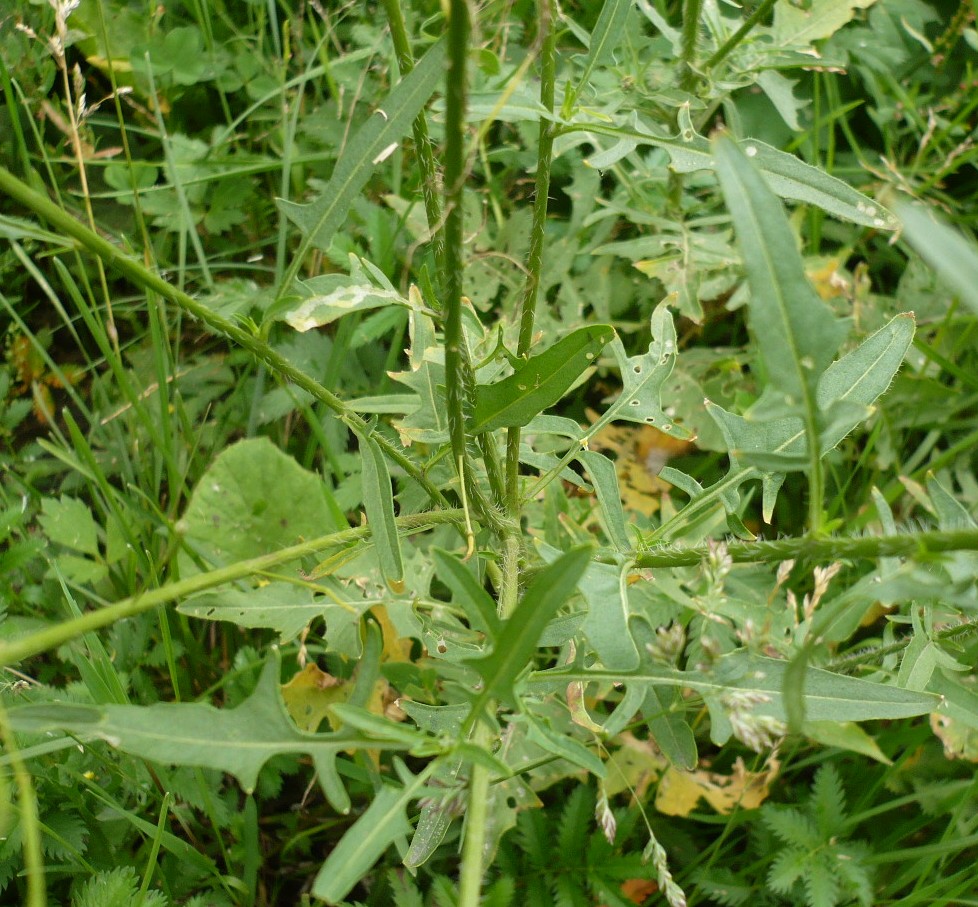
(679, 791)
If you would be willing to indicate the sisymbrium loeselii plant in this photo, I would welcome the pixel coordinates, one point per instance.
(352, 566)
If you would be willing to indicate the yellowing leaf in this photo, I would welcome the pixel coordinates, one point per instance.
(960, 741)
(680, 791)
(310, 694)
(640, 452)
(825, 274)
(396, 647)
(634, 767)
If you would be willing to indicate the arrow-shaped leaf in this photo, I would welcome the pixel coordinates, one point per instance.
(540, 382)
(238, 741)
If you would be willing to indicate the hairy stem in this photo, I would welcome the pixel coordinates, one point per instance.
(691, 26)
(534, 264)
(476, 825)
(820, 549)
(459, 376)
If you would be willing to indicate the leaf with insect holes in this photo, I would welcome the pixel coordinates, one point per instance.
(642, 378)
(540, 382)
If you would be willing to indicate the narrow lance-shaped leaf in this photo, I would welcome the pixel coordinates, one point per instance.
(320, 219)
(671, 732)
(366, 840)
(378, 501)
(827, 696)
(786, 175)
(540, 382)
(551, 589)
(796, 333)
(478, 605)
(605, 37)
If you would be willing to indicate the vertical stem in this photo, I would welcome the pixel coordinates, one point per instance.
(422, 139)
(29, 821)
(688, 79)
(476, 818)
(816, 473)
(459, 28)
(459, 377)
(531, 292)
(691, 27)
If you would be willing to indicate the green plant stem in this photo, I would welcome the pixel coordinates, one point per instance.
(691, 27)
(476, 823)
(459, 376)
(142, 276)
(687, 82)
(922, 544)
(51, 637)
(422, 138)
(816, 472)
(863, 656)
(538, 231)
(29, 822)
(763, 8)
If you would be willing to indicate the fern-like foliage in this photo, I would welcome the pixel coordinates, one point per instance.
(817, 865)
(115, 888)
(559, 856)
(443, 892)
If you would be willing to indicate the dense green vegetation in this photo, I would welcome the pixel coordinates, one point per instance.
(504, 454)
